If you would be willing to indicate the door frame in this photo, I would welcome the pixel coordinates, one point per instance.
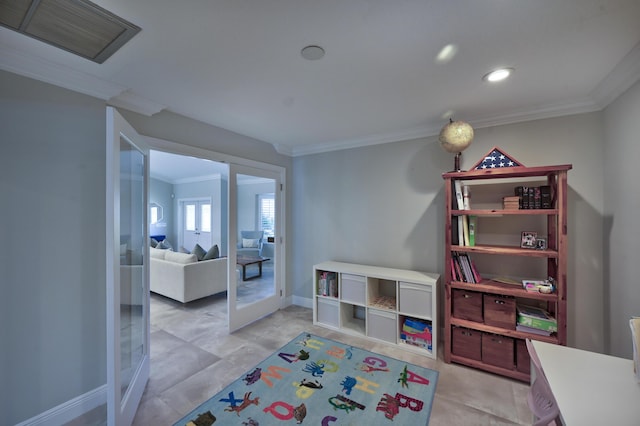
(157, 144)
(121, 409)
(240, 317)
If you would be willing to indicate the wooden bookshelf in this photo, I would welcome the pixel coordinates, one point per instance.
(554, 257)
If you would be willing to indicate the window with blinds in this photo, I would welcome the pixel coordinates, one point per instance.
(267, 214)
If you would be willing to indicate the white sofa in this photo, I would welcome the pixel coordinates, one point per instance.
(182, 277)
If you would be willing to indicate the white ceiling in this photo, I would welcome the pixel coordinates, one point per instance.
(236, 64)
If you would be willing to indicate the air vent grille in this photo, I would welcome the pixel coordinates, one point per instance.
(77, 26)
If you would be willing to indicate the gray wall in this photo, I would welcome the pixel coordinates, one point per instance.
(384, 205)
(622, 205)
(52, 256)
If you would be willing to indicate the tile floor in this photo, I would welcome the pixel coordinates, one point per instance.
(193, 357)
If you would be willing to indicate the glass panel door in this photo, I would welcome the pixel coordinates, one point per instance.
(127, 270)
(254, 230)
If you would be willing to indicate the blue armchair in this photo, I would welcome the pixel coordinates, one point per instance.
(250, 243)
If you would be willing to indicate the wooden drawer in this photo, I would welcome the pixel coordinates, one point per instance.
(499, 311)
(467, 305)
(523, 361)
(466, 343)
(498, 350)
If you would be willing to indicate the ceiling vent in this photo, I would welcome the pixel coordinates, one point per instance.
(77, 26)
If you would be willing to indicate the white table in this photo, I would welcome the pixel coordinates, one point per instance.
(591, 388)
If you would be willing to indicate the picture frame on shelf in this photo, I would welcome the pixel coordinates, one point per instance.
(528, 240)
(541, 243)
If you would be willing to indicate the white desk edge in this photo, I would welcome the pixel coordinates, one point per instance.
(591, 388)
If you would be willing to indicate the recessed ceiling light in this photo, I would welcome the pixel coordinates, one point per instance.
(498, 75)
(312, 53)
(446, 53)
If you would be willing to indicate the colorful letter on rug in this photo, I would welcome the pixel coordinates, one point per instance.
(317, 381)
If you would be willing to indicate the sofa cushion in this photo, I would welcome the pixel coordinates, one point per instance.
(177, 257)
(213, 253)
(250, 243)
(157, 253)
(199, 252)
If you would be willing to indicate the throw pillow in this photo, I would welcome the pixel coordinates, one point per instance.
(154, 242)
(250, 243)
(164, 244)
(183, 250)
(199, 252)
(213, 253)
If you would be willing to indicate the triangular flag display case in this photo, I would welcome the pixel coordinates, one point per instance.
(496, 158)
(481, 325)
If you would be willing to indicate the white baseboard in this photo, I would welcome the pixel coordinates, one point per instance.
(70, 410)
(305, 302)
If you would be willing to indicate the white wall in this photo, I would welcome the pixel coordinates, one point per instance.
(384, 205)
(622, 206)
(52, 256)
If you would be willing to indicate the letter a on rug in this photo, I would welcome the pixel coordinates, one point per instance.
(317, 381)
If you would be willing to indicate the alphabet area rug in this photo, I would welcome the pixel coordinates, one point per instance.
(317, 381)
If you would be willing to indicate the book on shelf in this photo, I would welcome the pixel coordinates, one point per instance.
(532, 197)
(545, 197)
(532, 316)
(532, 330)
(473, 221)
(506, 280)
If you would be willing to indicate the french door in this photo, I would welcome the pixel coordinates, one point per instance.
(127, 242)
(196, 223)
(255, 262)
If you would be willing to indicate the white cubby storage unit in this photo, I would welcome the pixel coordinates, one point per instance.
(376, 302)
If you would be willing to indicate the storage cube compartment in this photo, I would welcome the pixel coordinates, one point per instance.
(466, 343)
(353, 288)
(381, 294)
(499, 311)
(382, 325)
(328, 312)
(327, 284)
(352, 317)
(498, 350)
(416, 332)
(467, 305)
(523, 360)
(415, 299)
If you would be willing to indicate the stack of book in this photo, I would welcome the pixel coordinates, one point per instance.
(534, 197)
(327, 284)
(511, 203)
(464, 269)
(532, 319)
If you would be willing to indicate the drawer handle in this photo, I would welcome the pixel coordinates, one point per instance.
(500, 302)
(467, 296)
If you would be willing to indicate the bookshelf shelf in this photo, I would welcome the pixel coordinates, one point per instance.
(476, 332)
(376, 303)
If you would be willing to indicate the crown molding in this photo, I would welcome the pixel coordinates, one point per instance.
(549, 111)
(22, 63)
(620, 79)
(132, 102)
(32, 66)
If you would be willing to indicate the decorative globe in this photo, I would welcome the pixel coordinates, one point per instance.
(456, 136)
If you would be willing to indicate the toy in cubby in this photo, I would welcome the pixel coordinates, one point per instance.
(417, 333)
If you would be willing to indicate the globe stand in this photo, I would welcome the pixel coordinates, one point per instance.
(456, 162)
